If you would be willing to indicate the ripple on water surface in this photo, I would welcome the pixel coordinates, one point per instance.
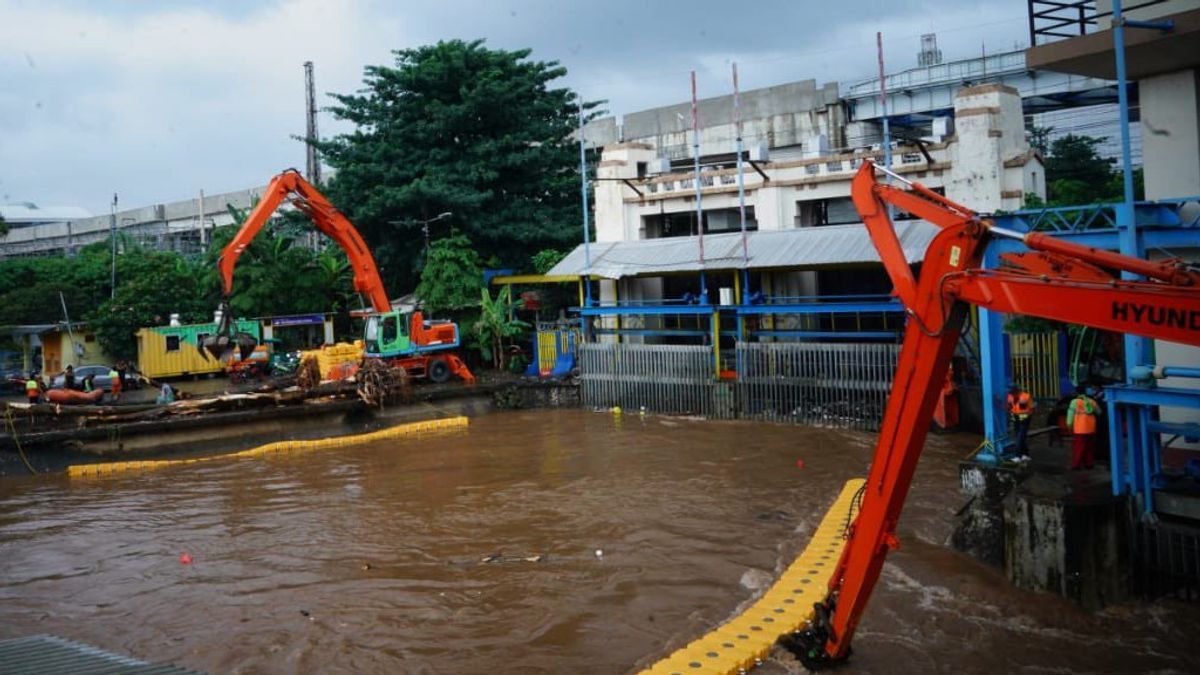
(367, 558)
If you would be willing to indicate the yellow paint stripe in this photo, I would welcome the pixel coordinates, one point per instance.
(398, 431)
(744, 641)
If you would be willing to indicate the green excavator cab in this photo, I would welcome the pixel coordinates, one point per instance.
(387, 334)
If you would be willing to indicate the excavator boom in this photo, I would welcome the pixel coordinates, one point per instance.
(290, 186)
(1057, 280)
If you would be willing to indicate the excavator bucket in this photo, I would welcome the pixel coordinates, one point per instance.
(221, 344)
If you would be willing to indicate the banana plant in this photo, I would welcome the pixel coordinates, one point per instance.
(498, 323)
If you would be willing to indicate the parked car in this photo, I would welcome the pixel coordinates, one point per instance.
(12, 380)
(101, 381)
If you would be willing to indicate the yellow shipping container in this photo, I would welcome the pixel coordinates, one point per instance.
(174, 351)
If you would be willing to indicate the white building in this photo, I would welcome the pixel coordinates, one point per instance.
(797, 178)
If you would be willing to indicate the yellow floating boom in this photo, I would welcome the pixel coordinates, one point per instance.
(427, 426)
(744, 641)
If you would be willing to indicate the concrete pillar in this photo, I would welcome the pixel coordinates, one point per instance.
(1170, 111)
(992, 165)
(615, 222)
(769, 208)
(608, 296)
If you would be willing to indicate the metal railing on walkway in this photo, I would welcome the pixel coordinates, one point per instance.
(842, 385)
(671, 379)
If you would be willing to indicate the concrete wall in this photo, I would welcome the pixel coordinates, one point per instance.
(166, 226)
(787, 115)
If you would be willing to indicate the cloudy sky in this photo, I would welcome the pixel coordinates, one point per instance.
(157, 100)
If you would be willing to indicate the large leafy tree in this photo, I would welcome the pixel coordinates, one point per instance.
(151, 286)
(456, 127)
(275, 276)
(1077, 174)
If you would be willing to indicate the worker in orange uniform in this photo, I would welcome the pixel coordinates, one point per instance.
(1020, 410)
(1081, 417)
(33, 388)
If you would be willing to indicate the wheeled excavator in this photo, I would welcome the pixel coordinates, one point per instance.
(1055, 279)
(422, 347)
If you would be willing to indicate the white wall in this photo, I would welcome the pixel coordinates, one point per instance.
(1170, 119)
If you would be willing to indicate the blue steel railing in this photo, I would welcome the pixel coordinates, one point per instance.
(1181, 212)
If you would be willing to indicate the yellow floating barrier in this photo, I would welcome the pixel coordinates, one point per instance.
(398, 431)
(744, 641)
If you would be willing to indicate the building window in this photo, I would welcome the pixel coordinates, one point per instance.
(172, 343)
(683, 224)
(820, 212)
(838, 211)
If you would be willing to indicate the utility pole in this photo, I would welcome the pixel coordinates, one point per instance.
(583, 195)
(696, 179)
(200, 222)
(112, 228)
(312, 164)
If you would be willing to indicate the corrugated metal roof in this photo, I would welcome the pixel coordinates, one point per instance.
(799, 248)
(50, 654)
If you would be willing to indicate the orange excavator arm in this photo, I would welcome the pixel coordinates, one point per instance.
(290, 186)
(1057, 280)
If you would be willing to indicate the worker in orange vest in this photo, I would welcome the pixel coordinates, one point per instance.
(1020, 411)
(1081, 417)
(33, 388)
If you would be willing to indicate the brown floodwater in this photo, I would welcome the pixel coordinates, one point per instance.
(650, 530)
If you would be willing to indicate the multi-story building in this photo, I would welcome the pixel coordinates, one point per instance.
(796, 184)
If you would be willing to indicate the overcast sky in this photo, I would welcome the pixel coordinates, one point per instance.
(158, 100)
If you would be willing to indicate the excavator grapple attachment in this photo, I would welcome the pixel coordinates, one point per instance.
(221, 344)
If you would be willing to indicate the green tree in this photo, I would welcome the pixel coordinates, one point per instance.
(544, 260)
(1076, 174)
(452, 277)
(481, 133)
(3, 228)
(497, 324)
(29, 287)
(150, 287)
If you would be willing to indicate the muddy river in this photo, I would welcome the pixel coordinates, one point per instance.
(617, 539)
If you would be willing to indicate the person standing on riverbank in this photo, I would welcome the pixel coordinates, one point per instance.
(1020, 411)
(1081, 417)
(114, 376)
(33, 388)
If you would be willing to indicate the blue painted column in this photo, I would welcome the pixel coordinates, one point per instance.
(1118, 466)
(1137, 349)
(994, 367)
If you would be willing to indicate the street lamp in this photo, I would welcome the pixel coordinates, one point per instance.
(424, 226)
